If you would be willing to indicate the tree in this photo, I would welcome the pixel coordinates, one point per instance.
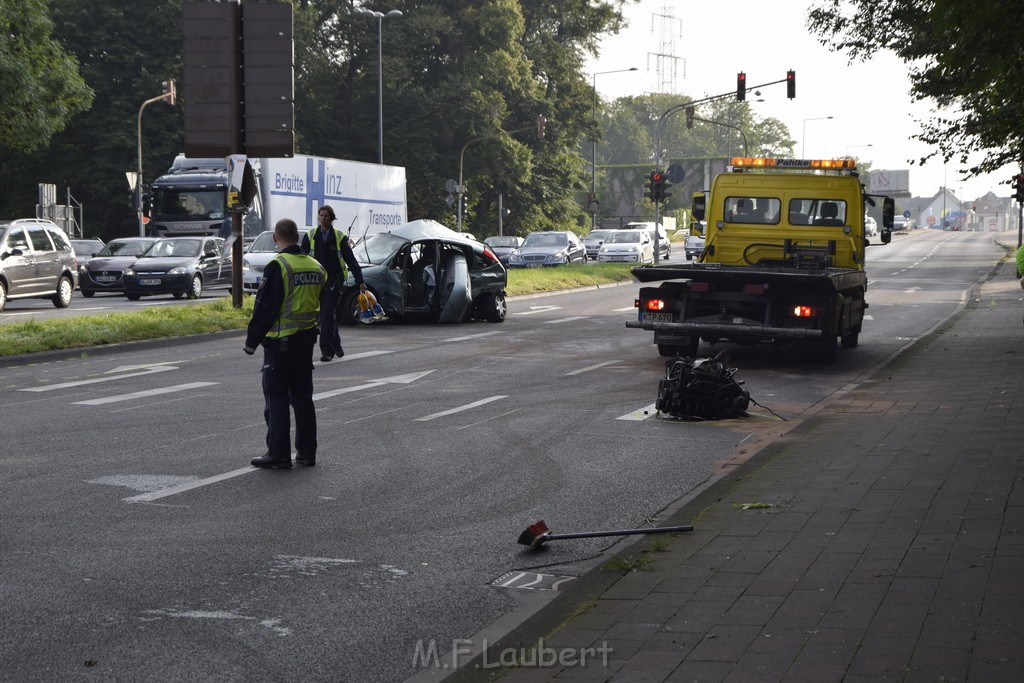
(40, 87)
(965, 57)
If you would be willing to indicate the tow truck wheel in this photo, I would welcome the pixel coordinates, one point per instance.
(849, 341)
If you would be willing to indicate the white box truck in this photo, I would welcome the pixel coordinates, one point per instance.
(191, 198)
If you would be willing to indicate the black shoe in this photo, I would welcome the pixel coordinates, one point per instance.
(307, 460)
(340, 353)
(326, 357)
(266, 461)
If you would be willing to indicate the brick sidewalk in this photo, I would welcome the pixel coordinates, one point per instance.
(893, 547)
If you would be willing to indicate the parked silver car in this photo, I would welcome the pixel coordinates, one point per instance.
(36, 262)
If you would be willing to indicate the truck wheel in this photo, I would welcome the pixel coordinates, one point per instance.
(828, 351)
(667, 350)
(849, 341)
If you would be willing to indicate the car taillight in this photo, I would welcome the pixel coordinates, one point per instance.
(700, 287)
(754, 289)
(490, 254)
(805, 311)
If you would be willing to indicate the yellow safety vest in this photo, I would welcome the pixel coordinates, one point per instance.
(338, 237)
(303, 279)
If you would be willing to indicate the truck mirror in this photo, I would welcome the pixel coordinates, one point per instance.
(888, 212)
(698, 206)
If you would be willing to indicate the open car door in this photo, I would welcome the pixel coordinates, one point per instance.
(456, 294)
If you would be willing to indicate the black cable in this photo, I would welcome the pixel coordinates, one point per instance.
(768, 409)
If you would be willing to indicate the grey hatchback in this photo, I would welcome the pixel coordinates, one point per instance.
(36, 262)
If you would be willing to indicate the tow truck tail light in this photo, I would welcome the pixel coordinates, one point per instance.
(700, 287)
(754, 289)
(654, 305)
(804, 311)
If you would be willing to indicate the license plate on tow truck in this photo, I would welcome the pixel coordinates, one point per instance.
(655, 317)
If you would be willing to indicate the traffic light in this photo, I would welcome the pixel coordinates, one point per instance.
(169, 91)
(689, 117)
(659, 187)
(741, 87)
(649, 186)
(790, 84)
(1018, 188)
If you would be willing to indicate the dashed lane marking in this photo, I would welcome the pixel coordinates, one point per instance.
(591, 367)
(472, 336)
(570, 319)
(638, 415)
(144, 394)
(83, 382)
(468, 406)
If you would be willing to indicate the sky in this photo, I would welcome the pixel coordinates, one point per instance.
(873, 117)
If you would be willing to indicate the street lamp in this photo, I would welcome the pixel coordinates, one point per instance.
(379, 16)
(803, 136)
(593, 145)
(849, 147)
(169, 95)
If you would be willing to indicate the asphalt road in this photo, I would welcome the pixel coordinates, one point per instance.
(137, 544)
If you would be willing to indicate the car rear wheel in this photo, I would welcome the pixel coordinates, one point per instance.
(3, 296)
(62, 299)
(133, 297)
(196, 290)
(348, 310)
(494, 307)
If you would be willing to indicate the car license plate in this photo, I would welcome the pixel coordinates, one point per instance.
(149, 282)
(105, 278)
(650, 316)
(533, 265)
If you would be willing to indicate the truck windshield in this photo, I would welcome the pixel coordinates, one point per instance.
(762, 210)
(188, 204)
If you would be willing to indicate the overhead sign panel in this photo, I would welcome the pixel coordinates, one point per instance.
(269, 81)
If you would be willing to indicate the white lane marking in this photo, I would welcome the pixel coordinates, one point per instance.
(911, 290)
(397, 379)
(181, 488)
(472, 336)
(488, 419)
(627, 308)
(364, 354)
(591, 367)
(638, 415)
(558, 583)
(539, 309)
(566, 320)
(468, 406)
(540, 577)
(512, 580)
(143, 366)
(144, 394)
(83, 382)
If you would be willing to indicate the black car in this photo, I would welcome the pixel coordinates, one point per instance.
(85, 249)
(180, 266)
(503, 246)
(104, 272)
(424, 270)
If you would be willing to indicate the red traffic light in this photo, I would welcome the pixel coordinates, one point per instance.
(791, 84)
(658, 177)
(741, 86)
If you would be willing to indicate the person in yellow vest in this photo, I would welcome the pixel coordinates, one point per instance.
(284, 319)
(332, 250)
(1020, 264)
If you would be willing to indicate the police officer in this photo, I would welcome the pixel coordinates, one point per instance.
(331, 248)
(284, 321)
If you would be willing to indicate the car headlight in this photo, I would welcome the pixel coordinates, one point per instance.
(245, 264)
(129, 271)
(559, 254)
(180, 270)
(515, 256)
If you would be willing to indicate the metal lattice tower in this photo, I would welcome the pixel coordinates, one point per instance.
(666, 63)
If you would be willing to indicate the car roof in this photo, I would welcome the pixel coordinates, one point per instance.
(428, 229)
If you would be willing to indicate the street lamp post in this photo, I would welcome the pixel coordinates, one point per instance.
(849, 147)
(593, 145)
(170, 95)
(379, 16)
(803, 135)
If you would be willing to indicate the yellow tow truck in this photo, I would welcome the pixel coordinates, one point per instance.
(783, 261)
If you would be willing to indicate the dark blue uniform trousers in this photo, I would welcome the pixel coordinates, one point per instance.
(288, 383)
(330, 338)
